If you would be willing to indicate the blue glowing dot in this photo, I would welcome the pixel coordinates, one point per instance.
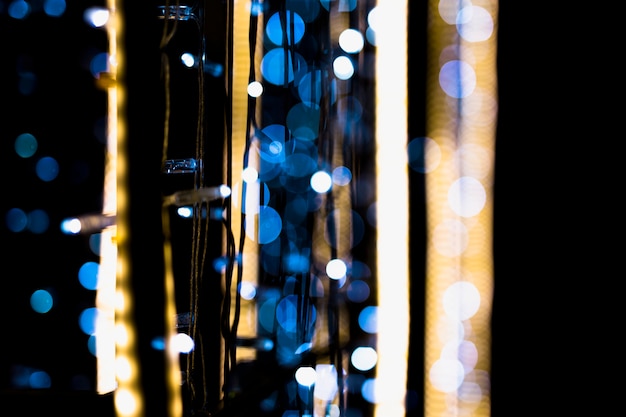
(358, 291)
(265, 226)
(26, 145)
(87, 320)
(303, 121)
(40, 380)
(38, 221)
(368, 320)
(41, 301)
(293, 22)
(457, 79)
(54, 8)
(99, 63)
(19, 9)
(47, 168)
(16, 220)
(88, 275)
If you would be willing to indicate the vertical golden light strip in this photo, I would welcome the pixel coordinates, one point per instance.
(459, 265)
(239, 142)
(392, 208)
(105, 295)
(128, 396)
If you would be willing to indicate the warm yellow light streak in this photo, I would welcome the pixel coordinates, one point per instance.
(105, 295)
(392, 209)
(128, 396)
(459, 249)
(239, 141)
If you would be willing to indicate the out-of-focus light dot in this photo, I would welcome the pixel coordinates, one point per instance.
(38, 221)
(96, 16)
(448, 9)
(94, 243)
(123, 369)
(88, 275)
(87, 320)
(158, 343)
(342, 175)
(71, 226)
(225, 190)
(182, 343)
(461, 300)
(321, 182)
(26, 145)
(467, 197)
(364, 358)
(188, 60)
(373, 18)
(326, 382)
(368, 319)
(370, 35)
(41, 301)
(92, 345)
(424, 155)
(185, 211)
(54, 8)
(247, 290)
(40, 380)
(19, 9)
(446, 375)
(351, 41)
(16, 220)
(343, 67)
(369, 391)
(250, 175)
(336, 269)
(255, 89)
(275, 24)
(474, 24)
(47, 168)
(125, 402)
(358, 291)
(220, 264)
(450, 238)
(457, 79)
(306, 376)
(264, 226)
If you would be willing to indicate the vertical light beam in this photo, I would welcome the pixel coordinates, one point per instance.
(392, 208)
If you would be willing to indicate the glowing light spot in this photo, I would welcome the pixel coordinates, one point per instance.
(41, 301)
(342, 175)
(457, 79)
(343, 67)
(364, 358)
(336, 269)
(16, 220)
(188, 60)
(351, 41)
(26, 145)
(88, 275)
(182, 343)
(96, 16)
(306, 376)
(247, 290)
(255, 89)
(467, 197)
(446, 375)
(87, 320)
(321, 182)
(275, 24)
(461, 300)
(474, 24)
(47, 168)
(368, 319)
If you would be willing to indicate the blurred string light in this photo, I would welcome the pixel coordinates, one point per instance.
(457, 158)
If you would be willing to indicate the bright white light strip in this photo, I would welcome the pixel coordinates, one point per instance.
(392, 208)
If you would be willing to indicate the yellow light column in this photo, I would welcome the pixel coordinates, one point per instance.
(459, 157)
